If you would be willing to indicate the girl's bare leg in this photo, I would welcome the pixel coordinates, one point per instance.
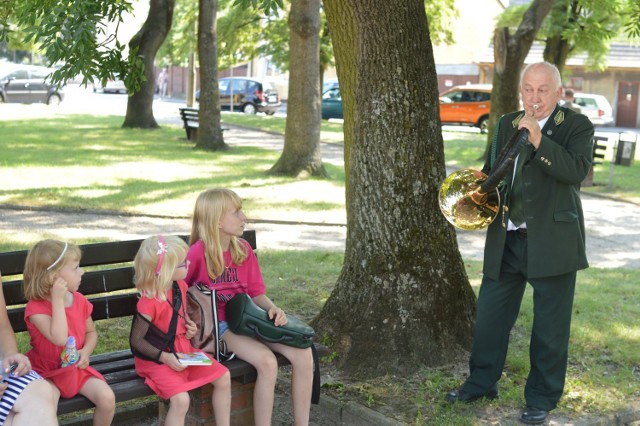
(221, 400)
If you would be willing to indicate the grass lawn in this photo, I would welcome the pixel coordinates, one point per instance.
(90, 162)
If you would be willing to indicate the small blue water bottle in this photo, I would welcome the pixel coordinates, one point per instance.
(69, 355)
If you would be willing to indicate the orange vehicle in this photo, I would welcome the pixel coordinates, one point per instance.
(467, 105)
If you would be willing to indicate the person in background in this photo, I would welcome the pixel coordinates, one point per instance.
(569, 101)
(539, 237)
(163, 83)
(25, 398)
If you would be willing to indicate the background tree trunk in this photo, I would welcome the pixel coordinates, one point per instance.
(403, 298)
(510, 51)
(301, 155)
(556, 51)
(343, 32)
(209, 132)
(148, 40)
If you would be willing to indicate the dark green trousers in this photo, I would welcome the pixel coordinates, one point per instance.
(497, 310)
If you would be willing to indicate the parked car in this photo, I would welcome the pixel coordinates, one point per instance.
(249, 95)
(111, 86)
(28, 84)
(596, 107)
(332, 104)
(467, 105)
(330, 83)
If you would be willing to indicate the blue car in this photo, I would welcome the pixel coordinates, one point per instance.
(332, 104)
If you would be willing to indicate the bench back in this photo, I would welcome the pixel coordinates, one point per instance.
(110, 289)
(189, 114)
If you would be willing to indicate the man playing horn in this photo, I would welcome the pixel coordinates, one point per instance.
(539, 238)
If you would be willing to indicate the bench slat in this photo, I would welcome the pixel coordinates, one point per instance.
(124, 391)
(93, 282)
(127, 385)
(105, 307)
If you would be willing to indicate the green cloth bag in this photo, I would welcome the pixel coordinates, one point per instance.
(247, 318)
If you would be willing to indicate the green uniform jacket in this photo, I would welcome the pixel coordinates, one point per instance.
(551, 191)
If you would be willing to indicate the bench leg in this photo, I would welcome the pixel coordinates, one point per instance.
(201, 412)
(192, 133)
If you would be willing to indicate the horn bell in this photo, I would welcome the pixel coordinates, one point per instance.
(462, 202)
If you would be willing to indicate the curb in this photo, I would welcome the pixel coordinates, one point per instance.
(630, 416)
(352, 414)
(273, 132)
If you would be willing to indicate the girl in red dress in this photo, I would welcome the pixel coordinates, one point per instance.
(56, 310)
(160, 268)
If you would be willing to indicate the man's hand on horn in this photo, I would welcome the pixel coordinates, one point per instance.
(530, 122)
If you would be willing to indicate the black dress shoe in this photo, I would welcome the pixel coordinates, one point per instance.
(462, 396)
(533, 416)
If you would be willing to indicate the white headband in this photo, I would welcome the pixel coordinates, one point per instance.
(64, 250)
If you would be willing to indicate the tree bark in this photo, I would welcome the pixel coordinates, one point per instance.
(148, 40)
(510, 51)
(301, 156)
(403, 299)
(556, 51)
(343, 32)
(210, 136)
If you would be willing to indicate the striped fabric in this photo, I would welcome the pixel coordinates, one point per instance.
(16, 386)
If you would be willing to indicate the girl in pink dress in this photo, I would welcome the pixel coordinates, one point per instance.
(221, 260)
(160, 268)
(56, 310)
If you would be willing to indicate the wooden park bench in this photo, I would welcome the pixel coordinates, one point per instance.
(112, 293)
(190, 122)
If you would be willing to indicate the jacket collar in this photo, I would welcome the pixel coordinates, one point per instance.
(555, 120)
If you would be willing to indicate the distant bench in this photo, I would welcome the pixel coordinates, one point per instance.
(190, 122)
(113, 295)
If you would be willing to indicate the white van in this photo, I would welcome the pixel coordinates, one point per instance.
(596, 107)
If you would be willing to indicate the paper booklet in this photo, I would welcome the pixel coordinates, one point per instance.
(193, 358)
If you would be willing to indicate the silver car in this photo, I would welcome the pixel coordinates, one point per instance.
(28, 84)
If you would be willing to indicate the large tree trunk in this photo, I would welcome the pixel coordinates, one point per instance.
(209, 132)
(509, 52)
(301, 156)
(148, 40)
(403, 298)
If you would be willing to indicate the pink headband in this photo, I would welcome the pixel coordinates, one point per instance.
(162, 249)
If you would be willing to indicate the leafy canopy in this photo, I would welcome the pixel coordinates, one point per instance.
(74, 36)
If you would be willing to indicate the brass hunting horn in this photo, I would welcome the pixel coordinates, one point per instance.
(469, 199)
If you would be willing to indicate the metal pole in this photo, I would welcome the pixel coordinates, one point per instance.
(231, 89)
(191, 80)
(612, 163)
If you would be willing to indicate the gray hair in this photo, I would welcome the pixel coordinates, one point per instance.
(552, 69)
